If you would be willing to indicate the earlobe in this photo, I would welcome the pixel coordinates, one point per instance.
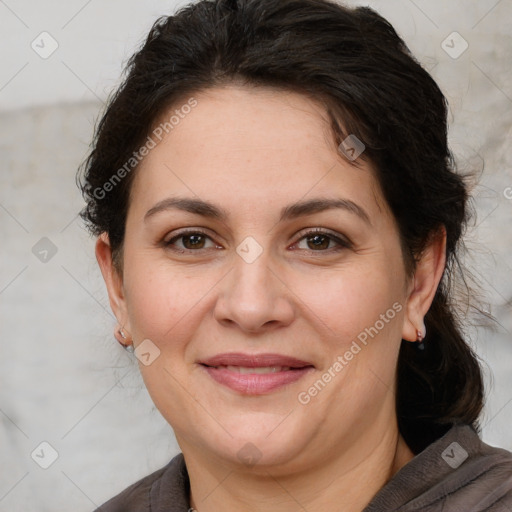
(113, 279)
(424, 284)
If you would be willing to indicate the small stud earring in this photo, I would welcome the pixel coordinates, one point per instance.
(121, 338)
(419, 338)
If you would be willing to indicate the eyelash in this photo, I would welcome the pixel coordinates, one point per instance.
(342, 243)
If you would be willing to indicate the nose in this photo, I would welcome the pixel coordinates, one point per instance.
(254, 297)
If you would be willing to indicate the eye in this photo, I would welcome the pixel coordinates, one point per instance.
(320, 240)
(191, 240)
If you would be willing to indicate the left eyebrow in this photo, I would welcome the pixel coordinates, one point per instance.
(311, 206)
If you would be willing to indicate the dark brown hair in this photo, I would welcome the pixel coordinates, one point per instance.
(355, 64)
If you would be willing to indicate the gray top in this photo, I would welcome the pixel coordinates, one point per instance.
(456, 473)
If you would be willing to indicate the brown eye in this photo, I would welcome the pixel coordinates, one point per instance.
(318, 242)
(322, 241)
(190, 241)
(193, 241)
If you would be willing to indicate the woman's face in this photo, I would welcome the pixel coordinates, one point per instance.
(268, 342)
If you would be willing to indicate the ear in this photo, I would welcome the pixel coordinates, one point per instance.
(113, 280)
(423, 285)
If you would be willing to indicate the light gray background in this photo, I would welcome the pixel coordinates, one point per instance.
(63, 378)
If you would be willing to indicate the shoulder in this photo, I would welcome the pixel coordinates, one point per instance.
(165, 489)
(467, 473)
(471, 459)
(456, 472)
(492, 470)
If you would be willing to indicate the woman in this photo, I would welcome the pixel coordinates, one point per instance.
(278, 219)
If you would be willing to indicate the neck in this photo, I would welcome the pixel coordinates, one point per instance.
(346, 482)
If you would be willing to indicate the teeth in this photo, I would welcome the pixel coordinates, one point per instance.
(260, 370)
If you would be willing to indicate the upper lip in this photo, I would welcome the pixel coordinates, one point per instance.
(254, 360)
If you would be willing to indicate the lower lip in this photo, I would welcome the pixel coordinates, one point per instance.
(255, 383)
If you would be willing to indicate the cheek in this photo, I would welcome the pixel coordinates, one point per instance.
(161, 300)
(165, 305)
(358, 312)
(348, 301)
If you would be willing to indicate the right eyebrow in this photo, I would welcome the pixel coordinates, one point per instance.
(191, 205)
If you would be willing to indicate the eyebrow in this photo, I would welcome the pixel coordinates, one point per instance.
(290, 212)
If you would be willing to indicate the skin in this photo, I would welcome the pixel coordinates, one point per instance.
(253, 151)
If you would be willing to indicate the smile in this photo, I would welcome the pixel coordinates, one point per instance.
(260, 370)
(255, 374)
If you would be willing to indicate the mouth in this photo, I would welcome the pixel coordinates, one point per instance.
(255, 374)
(261, 370)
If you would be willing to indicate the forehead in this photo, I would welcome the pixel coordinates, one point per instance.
(269, 145)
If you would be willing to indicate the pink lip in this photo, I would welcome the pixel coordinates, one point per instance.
(254, 360)
(253, 383)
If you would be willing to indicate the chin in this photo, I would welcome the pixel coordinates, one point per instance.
(260, 441)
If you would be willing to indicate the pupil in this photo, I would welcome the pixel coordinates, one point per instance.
(194, 240)
(317, 241)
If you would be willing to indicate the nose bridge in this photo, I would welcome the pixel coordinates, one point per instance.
(252, 295)
(252, 275)
(252, 283)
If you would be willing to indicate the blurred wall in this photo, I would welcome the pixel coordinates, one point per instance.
(63, 378)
